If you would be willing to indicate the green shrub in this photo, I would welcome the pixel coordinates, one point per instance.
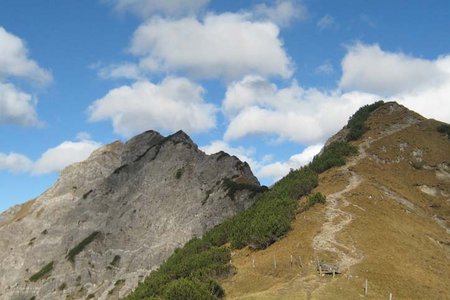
(42, 272)
(333, 155)
(312, 200)
(198, 262)
(445, 129)
(356, 123)
(317, 198)
(233, 187)
(296, 184)
(186, 289)
(80, 247)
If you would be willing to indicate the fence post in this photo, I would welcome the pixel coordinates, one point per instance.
(390, 296)
(365, 288)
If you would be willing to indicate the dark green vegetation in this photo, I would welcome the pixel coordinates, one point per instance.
(191, 272)
(445, 129)
(179, 173)
(356, 123)
(270, 217)
(116, 261)
(42, 272)
(333, 155)
(80, 247)
(187, 274)
(233, 187)
(312, 200)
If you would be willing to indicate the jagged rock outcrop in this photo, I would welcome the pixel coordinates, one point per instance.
(110, 220)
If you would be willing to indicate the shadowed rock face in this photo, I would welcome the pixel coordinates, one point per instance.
(136, 201)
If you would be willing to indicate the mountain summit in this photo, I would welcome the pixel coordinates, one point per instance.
(384, 230)
(108, 221)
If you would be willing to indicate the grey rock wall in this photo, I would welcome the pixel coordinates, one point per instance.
(138, 200)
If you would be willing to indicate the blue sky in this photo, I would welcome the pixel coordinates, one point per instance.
(268, 81)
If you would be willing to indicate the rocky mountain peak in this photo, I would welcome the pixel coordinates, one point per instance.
(110, 220)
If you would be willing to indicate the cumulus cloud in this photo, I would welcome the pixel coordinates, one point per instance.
(14, 162)
(369, 68)
(325, 69)
(17, 107)
(118, 71)
(277, 170)
(148, 8)
(256, 106)
(227, 45)
(283, 12)
(53, 160)
(173, 104)
(14, 60)
(325, 22)
(422, 85)
(57, 158)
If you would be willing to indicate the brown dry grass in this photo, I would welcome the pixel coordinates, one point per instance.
(23, 211)
(405, 251)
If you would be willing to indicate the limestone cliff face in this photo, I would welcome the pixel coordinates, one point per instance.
(110, 220)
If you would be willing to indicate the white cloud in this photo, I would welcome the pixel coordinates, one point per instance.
(256, 106)
(227, 45)
(308, 116)
(148, 8)
(57, 158)
(431, 101)
(422, 85)
(175, 103)
(14, 60)
(83, 136)
(283, 12)
(325, 69)
(17, 107)
(277, 170)
(118, 71)
(14, 162)
(240, 152)
(53, 160)
(368, 68)
(325, 22)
